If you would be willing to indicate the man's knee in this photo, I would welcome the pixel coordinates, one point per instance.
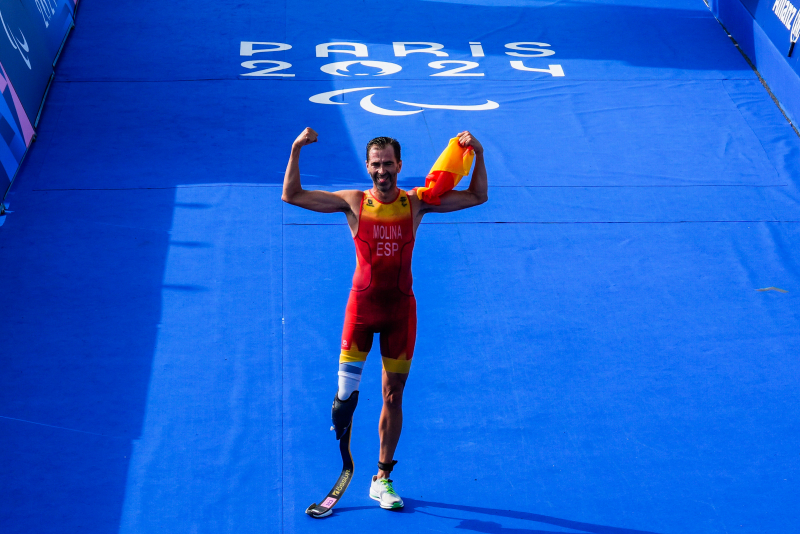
(393, 396)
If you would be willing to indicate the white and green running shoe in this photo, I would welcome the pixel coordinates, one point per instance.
(382, 491)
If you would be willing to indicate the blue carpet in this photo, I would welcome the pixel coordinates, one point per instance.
(598, 350)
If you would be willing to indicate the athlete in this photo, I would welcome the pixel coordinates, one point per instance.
(383, 221)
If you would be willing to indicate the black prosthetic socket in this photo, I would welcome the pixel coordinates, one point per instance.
(342, 413)
(387, 467)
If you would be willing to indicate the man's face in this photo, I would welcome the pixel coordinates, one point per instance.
(383, 168)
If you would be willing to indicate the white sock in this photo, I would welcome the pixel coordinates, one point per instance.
(349, 378)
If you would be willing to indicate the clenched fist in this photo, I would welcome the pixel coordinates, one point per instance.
(306, 138)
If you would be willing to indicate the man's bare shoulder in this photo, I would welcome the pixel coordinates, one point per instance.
(352, 197)
(418, 204)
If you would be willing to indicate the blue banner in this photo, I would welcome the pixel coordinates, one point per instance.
(780, 20)
(55, 17)
(15, 130)
(30, 43)
(24, 53)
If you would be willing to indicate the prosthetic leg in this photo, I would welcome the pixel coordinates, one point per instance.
(342, 413)
(342, 418)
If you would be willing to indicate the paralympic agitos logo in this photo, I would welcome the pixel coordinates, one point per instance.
(367, 67)
(20, 44)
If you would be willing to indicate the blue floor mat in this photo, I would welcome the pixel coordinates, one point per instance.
(607, 346)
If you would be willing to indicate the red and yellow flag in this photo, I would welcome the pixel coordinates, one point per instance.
(453, 164)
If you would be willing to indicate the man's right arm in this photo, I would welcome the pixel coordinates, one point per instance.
(293, 192)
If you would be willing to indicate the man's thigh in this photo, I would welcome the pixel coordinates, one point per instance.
(358, 330)
(399, 337)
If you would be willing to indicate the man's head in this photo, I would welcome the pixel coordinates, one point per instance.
(383, 142)
(383, 163)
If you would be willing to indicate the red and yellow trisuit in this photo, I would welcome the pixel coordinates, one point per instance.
(381, 300)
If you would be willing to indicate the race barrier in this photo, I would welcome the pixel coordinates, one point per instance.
(34, 32)
(767, 32)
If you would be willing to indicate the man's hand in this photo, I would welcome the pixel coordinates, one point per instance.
(476, 193)
(306, 138)
(465, 139)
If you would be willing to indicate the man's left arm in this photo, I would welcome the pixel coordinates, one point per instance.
(477, 192)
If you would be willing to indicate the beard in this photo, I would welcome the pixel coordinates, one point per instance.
(384, 182)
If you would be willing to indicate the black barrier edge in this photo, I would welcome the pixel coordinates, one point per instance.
(41, 105)
(21, 161)
(755, 69)
(61, 48)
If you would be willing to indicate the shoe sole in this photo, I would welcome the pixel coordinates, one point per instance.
(395, 506)
(320, 516)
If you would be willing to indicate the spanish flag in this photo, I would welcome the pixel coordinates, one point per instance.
(453, 164)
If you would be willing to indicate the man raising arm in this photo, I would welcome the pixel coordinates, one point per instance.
(474, 195)
(383, 221)
(319, 201)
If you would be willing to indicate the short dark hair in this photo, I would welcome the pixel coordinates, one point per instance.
(381, 142)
